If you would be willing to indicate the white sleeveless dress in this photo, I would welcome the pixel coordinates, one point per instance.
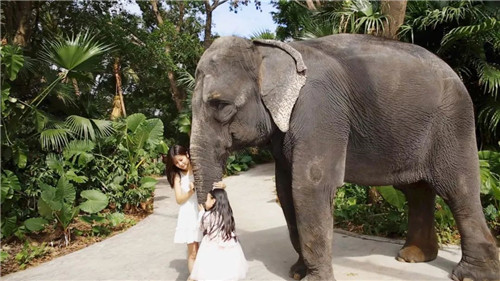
(188, 229)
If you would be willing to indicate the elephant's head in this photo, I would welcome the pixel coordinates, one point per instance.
(245, 91)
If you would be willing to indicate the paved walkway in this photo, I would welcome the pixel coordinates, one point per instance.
(147, 252)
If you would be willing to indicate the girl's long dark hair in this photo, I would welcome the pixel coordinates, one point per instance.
(224, 221)
(171, 170)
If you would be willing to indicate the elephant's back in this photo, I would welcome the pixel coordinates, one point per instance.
(355, 50)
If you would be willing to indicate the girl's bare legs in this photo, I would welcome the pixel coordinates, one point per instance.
(192, 251)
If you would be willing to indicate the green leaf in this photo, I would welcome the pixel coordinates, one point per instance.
(80, 126)
(54, 138)
(35, 224)
(65, 191)
(162, 148)
(116, 218)
(72, 176)
(5, 96)
(104, 127)
(134, 120)
(78, 151)
(44, 209)
(49, 197)
(41, 120)
(20, 155)
(9, 225)
(13, 59)
(393, 196)
(79, 53)
(4, 256)
(149, 131)
(10, 183)
(96, 201)
(67, 214)
(55, 163)
(148, 182)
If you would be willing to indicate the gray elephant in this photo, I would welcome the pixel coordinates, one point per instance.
(346, 108)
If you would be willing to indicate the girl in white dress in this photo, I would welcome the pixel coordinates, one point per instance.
(220, 256)
(180, 177)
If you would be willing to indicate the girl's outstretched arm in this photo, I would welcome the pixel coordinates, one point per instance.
(180, 196)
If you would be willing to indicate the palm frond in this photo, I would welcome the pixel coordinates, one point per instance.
(186, 80)
(489, 77)
(263, 34)
(469, 30)
(489, 117)
(54, 139)
(80, 126)
(104, 127)
(77, 53)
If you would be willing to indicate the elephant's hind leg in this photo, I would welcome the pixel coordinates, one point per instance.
(421, 242)
(480, 260)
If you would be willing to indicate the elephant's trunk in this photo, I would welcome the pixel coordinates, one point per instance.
(205, 168)
(208, 158)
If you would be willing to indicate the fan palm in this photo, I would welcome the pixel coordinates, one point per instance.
(73, 57)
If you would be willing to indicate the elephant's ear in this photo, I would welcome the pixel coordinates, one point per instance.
(282, 75)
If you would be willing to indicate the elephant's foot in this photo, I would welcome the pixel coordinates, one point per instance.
(317, 276)
(298, 270)
(479, 271)
(413, 253)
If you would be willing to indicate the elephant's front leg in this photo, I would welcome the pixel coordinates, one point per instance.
(284, 191)
(315, 179)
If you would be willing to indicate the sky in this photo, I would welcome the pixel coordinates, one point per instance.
(246, 22)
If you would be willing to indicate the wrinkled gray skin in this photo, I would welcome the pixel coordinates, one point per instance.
(371, 112)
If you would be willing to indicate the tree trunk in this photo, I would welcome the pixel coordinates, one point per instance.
(395, 12)
(75, 86)
(177, 95)
(18, 21)
(159, 19)
(209, 9)
(180, 22)
(208, 25)
(118, 102)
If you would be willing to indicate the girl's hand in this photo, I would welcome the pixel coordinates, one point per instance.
(219, 184)
(200, 207)
(191, 188)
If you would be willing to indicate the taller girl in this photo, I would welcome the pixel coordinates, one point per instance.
(180, 177)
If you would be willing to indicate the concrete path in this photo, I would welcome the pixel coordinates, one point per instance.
(147, 252)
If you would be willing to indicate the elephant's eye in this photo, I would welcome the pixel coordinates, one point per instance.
(224, 111)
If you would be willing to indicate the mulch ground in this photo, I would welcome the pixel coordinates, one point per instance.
(55, 244)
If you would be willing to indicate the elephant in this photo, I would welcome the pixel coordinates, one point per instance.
(345, 108)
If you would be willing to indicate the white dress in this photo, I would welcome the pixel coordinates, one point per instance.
(188, 229)
(218, 259)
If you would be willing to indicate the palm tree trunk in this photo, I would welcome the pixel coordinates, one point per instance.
(75, 86)
(118, 102)
(395, 12)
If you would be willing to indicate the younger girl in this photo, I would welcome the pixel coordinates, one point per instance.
(180, 177)
(220, 256)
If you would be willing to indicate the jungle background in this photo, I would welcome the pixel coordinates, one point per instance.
(93, 96)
